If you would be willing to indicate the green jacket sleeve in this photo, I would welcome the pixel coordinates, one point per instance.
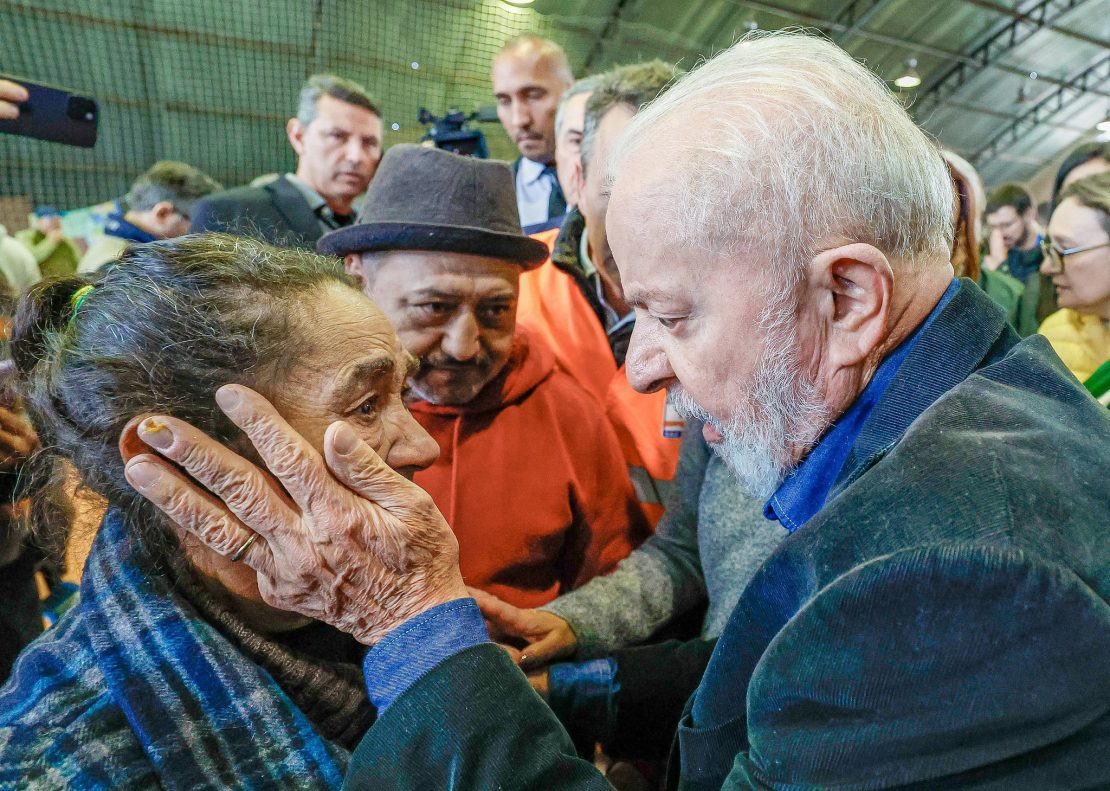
(473, 722)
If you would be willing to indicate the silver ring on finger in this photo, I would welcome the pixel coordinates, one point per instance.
(237, 555)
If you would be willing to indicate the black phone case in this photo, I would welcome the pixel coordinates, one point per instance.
(54, 114)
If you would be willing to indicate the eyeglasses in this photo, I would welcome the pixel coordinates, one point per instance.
(1057, 256)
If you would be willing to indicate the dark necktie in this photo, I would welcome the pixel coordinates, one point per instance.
(556, 203)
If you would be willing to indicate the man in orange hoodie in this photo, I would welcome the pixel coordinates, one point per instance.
(530, 474)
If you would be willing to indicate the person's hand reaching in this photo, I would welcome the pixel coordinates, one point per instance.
(548, 637)
(359, 547)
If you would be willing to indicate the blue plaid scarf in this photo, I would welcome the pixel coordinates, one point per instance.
(134, 688)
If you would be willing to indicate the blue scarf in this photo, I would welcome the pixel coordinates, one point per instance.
(134, 687)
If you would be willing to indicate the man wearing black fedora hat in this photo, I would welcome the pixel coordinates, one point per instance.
(531, 476)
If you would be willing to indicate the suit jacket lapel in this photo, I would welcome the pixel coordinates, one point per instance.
(290, 203)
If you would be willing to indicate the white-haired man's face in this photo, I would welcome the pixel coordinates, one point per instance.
(766, 370)
(707, 334)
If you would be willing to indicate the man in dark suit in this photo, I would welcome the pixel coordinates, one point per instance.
(939, 616)
(337, 135)
(529, 77)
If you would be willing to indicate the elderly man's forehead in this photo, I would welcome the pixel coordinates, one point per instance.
(640, 183)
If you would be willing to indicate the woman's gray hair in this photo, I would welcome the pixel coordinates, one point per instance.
(784, 142)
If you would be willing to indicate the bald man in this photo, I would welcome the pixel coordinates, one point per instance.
(529, 77)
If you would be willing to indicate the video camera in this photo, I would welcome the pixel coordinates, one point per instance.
(452, 133)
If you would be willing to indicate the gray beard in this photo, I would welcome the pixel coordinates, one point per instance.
(782, 412)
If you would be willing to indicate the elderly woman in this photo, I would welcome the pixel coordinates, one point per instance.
(1077, 257)
(172, 671)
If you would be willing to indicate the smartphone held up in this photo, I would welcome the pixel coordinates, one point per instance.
(52, 113)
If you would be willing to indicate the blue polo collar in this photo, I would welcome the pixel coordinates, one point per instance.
(804, 491)
(116, 225)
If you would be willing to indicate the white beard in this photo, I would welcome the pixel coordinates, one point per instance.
(782, 412)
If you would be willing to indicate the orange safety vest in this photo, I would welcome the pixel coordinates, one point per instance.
(650, 432)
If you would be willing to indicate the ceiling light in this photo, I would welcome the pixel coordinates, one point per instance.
(1104, 125)
(909, 78)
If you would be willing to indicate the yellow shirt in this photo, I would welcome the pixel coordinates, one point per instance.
(1082, 340)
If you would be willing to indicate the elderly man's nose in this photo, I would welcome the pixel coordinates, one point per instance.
(461, 340)
(646, 363)
(413, 449)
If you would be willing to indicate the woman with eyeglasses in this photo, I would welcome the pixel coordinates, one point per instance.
(1077, 258)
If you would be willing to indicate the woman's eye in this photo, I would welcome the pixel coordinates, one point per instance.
(368, 406)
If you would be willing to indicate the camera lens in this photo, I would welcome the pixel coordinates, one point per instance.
(81, 109)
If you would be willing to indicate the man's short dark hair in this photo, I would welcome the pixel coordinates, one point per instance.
(180, 184)
(633, 85)
(336, 87)
(1009, 195)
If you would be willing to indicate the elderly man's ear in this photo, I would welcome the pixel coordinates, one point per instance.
(352, 262)
(852, 288)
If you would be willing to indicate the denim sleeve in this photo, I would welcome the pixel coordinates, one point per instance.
(581, 695)
(418, 645)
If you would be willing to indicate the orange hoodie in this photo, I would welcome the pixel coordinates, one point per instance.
(648, 429)
(531, 479)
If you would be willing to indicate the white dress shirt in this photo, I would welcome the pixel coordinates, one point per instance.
(533, 192)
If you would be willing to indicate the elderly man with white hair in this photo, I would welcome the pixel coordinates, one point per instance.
(939, 615)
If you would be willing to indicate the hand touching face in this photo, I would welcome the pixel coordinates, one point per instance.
(352, 543)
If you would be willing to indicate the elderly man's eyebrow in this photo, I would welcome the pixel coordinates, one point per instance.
(640, 298)
(361, 373)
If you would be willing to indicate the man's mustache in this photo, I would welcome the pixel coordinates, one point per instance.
(446, 362)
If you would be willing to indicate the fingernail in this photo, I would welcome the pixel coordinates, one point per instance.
(155, 433)
(228, 398)
(345, 440)
(143, 475)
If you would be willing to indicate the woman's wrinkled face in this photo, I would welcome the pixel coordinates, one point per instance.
(353, 368)
(350, 366)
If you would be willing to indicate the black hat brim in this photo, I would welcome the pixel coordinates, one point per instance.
(378, 236)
